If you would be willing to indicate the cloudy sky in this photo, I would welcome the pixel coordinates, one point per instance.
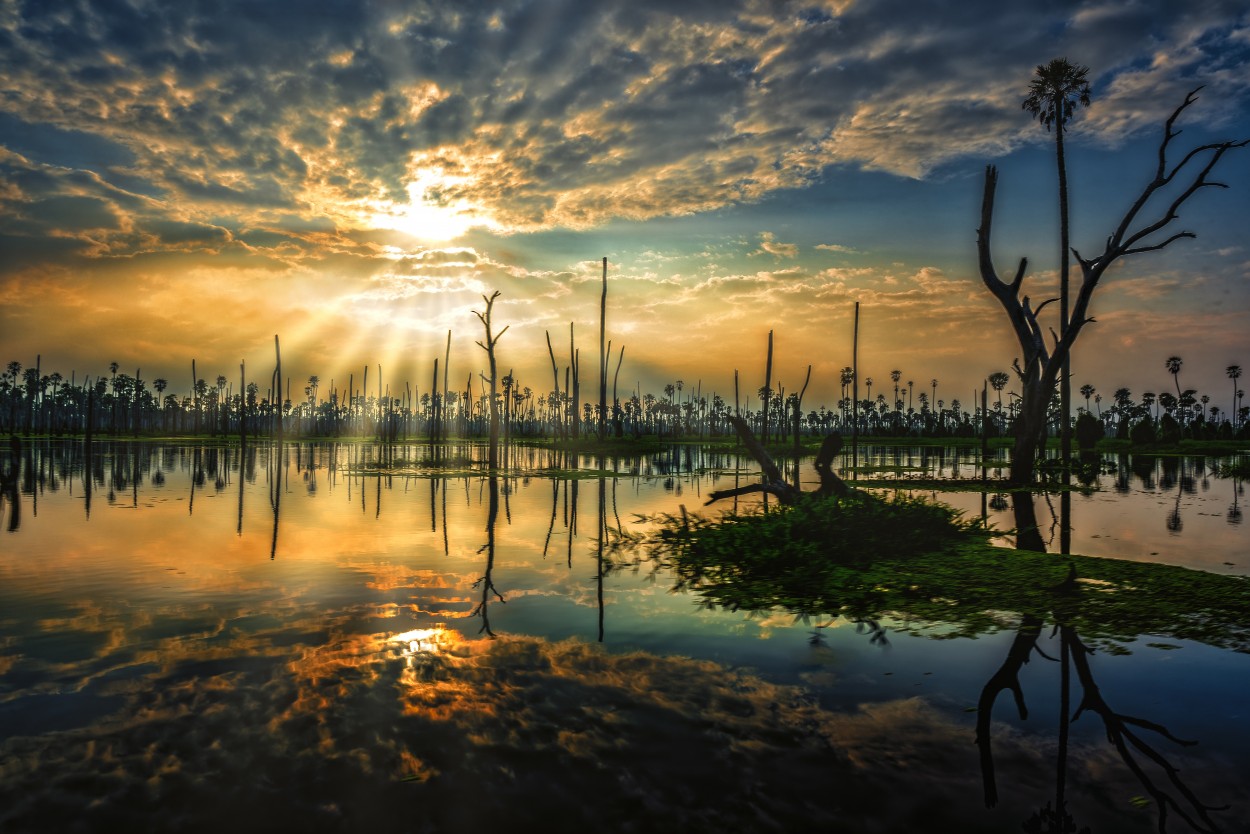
(183, 180)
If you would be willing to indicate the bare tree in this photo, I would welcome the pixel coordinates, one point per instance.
(489, 347)
(1039, 368)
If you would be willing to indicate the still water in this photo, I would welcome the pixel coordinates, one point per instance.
(345, 637)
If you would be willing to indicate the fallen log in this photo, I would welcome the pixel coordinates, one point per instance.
(774, 482)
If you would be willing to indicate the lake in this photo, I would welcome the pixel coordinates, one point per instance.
(352, 637)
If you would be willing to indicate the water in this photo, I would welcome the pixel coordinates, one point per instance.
(302, 640)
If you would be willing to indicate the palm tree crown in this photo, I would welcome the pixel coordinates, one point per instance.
(1055, 91)
(1173, 364)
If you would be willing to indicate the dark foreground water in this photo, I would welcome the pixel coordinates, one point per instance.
(340, 638)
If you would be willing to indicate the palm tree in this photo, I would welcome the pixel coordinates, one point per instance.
(1055, 92)
(1174, 368)
(1087, 391)
(160, 384)
(113, 366)
(896, 375)
(1234, 373)
(998, 381)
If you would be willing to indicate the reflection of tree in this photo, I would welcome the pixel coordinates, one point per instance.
(275, 491)
(486, 583)
(8, 484)
(1124, 732)
(1121, 734)
(1172, 475)
(966, 588)
(600, 536)
(1234, 509)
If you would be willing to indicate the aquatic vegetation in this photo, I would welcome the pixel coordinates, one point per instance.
(931, 572)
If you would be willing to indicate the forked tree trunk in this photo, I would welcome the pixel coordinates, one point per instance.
(1039, 366)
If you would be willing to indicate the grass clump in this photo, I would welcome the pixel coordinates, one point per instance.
(810, 558)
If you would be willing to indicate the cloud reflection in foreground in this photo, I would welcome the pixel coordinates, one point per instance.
(432, 732)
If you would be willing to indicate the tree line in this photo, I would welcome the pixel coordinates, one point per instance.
(121, 404)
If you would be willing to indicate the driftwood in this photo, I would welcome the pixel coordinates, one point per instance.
(774, 482)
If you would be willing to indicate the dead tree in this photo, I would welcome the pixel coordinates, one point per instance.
(774, 481)
(603, 356)
(489, 347)
(1039, 366)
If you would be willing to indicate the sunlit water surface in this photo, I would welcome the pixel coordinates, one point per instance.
(340, 637)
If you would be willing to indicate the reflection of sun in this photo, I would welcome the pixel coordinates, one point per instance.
(430, 214)
(419, 640)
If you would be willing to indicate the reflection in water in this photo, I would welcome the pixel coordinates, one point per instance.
(10, 471)
(1234, 509)
(133, 642)
(1167, 790)
(487, 583)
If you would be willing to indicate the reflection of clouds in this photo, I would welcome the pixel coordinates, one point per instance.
(439, 731)
(281, 683)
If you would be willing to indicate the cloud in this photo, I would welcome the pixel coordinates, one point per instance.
(565, 114)
(770, 246)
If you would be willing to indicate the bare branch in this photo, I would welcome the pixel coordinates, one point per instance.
(1043, 305)
(1124, 240)
(1157, 246)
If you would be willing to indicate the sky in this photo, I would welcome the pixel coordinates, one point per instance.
(185, 180)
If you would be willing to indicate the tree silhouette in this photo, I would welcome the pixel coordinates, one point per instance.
(1173, 364)
(489, 346)
(1055, 92)
(1234, 373)
(998, 381)
(1087, 391)
(1040, 365)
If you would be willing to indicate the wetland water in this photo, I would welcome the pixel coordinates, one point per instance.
(330, 637)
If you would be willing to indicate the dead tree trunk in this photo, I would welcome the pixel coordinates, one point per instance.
(603, 356)
(774, 481)
(489, 347)
(1039, 366)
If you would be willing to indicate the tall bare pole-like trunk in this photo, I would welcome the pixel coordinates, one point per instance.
(1065, 376)
(277, 388)
(855, 397)
(555, 375)
(576, 390)
(603, 356)
(442, 416)
(195, 398)
(436, 407)
(768, 383)
(242, 407)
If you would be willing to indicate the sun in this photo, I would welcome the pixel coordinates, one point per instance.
(431, 213)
